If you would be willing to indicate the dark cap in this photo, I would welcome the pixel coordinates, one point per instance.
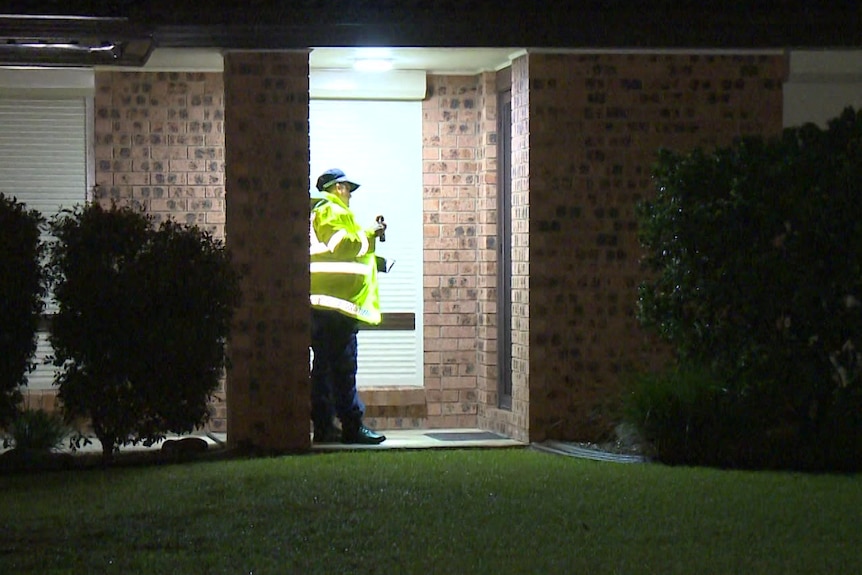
(332, 177)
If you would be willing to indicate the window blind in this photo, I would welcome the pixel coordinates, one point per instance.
(43, 163)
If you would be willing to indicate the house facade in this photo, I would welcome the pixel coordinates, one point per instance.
(531, 171)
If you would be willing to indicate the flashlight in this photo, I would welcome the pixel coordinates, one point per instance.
(379, 220)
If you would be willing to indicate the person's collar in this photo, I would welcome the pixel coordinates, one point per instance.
(334, 198)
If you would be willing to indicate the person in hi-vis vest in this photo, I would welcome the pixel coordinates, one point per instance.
(344, 292)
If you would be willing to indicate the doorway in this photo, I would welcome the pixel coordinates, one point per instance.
(379, 145)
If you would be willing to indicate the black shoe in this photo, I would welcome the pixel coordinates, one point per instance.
(327, 435)
(362, 436)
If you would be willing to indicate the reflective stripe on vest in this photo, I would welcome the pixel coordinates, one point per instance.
(339, 268)
(345, 306)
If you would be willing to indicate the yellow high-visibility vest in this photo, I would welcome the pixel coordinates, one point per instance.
(343, 264)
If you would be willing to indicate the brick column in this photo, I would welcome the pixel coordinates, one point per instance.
(267, 183)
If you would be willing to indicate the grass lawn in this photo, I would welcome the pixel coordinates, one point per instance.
(424, 512)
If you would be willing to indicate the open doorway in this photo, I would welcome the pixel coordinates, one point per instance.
(458, 240)
(379, 145)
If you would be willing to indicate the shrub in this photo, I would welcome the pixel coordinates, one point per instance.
(143, 318)
(756, 259)
(36, 429)
(22, 288)
(690, 415)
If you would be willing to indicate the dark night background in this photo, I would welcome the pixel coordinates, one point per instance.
(463, 23)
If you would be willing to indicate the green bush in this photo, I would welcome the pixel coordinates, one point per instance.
(690, 415)
(22, 288)
(143, 317)
(36, 429)
(756, 258)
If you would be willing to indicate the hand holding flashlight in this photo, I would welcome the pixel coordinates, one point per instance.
(381, 228)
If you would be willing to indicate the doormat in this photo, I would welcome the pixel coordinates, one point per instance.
(464, 436)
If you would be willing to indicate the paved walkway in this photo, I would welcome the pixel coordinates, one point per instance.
(430, 439)
(404, 439)
(395, 439)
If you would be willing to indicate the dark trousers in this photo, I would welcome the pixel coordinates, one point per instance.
(333, 370)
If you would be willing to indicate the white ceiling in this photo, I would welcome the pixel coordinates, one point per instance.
(434, 60)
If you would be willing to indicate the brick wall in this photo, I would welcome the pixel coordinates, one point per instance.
(396, 407)
(460, 270)
(489, 417)
(266, 120)
(520, 424)
(585, 130)
(595, 122)
(451, 150)
(159, 145)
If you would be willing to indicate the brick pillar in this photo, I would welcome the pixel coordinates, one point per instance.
(267, 183)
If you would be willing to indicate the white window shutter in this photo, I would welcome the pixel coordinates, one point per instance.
(43, 163)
